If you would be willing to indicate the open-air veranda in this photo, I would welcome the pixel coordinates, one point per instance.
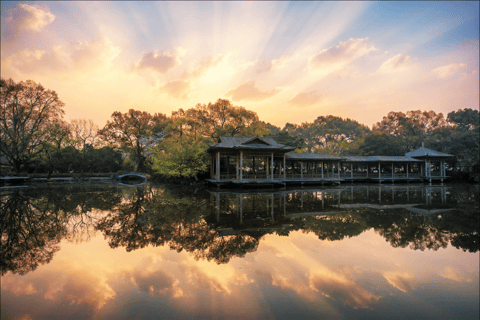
(259, 161)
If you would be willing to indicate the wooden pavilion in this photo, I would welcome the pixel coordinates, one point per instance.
(262, 161)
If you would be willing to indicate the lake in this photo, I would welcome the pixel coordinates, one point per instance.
(363, 251)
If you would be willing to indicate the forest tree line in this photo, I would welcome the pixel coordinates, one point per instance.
(35, 138)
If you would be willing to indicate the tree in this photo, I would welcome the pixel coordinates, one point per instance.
(466, 119)
(181, 157)
(135, 132)
(28, 112)
(223, 119)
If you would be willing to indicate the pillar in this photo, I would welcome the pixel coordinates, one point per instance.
(322, 168)
(379, 171)
(284, 167)
(301, 170)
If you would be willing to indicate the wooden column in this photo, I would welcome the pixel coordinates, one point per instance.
(379, 171)
(217, 173)
(241, 165)
(392, 170)
(237, 172)
(351, 170)
(323, 163)
(284, 167)
(407, 170)
(301, 170)
(271, 171)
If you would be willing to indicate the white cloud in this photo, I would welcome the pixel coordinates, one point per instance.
(31, 18)
(397, 63)
(447, 71)
(342, 54)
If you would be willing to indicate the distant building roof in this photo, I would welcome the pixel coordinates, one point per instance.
(249, 143)
(426, 153)
(381, 159)
(311, 156)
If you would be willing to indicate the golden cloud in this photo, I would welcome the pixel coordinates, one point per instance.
(249, 92)
(447, 71)
(177, 89)
(29, 18)
(304, 99)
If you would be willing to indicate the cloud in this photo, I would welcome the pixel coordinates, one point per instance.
(29, 18)
(304, 99)
(177, 89)
(80, 54)
(204, 66)
(35, 61)
(342, 54)
(249, 91)
(397, 63)
(93, 52)
(160, 62)
(448, 70)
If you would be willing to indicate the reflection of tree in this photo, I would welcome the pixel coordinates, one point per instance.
(34, 220)
(161, 218)
(30, 232)
(336, 227)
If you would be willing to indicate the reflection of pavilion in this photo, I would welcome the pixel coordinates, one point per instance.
(292, 204)
(247, 161)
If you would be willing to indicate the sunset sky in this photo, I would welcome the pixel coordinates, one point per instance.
(287, 61)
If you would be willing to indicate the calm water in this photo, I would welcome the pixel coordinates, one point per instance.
(155, 252)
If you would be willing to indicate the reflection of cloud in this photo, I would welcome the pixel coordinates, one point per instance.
(75, 285)
(340, 287)
(249, 91)
(451, 274)
(448, 70)
(396, 63)
(156, 283)
(157, 61)
(304, 99)
(342, 54)
(403, 281)
(32, 18)
(177, 89)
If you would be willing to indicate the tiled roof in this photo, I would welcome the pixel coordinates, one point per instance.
(255, 143)
(424, 152)
(311, 156)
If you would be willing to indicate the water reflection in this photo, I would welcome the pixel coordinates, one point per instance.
(217, 226)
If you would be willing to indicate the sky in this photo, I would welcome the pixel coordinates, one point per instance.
(290, 62)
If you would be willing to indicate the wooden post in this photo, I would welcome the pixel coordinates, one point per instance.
(392, 170)
(322, 168)
(301, 170)
(407, 170)
(351, 170)
(379, 170)
(284, 167)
